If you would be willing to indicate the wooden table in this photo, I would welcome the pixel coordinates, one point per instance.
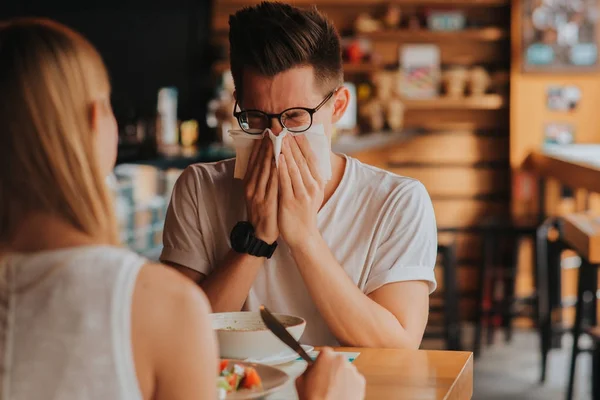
(575, 166)
(409, 374)
(582, 232)
(416, 374)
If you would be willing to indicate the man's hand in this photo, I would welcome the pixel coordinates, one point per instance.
(301, 191)
(261, 183)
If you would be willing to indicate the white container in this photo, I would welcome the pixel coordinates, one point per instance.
(167, 109)
(243, 335)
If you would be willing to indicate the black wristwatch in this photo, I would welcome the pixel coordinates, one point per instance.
(243, 241)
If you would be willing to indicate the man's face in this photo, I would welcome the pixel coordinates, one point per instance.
(295, 87)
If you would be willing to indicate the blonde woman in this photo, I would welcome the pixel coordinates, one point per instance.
(80, 317)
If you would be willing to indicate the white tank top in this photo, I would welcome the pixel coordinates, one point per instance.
(65, 324)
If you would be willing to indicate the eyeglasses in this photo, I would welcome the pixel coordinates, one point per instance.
(295, 119)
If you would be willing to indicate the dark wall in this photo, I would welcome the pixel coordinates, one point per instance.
(145, 45)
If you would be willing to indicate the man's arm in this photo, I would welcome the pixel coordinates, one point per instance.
(393, 316)
(192, 274)
(227, 287)
(228, 284)
(395, 313)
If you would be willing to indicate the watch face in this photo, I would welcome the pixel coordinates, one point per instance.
(240, 236)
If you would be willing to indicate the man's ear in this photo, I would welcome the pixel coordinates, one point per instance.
(340, 103)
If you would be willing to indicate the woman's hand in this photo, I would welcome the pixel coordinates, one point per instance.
(332, 377)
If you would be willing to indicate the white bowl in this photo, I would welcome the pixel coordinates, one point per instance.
(243, 335)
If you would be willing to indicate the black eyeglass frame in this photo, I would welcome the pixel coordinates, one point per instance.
(270, 117)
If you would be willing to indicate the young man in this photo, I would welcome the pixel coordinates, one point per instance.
(355, 254)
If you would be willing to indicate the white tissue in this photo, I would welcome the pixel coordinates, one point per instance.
(277, 142)
(318, 141)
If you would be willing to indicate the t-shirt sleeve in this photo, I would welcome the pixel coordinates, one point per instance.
(182, 238)
(408, 251)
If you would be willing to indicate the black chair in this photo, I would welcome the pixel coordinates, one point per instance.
(452, 333)
(548, 288)
(585, 313)
(582, 233)
(499, 272)
(594, 333)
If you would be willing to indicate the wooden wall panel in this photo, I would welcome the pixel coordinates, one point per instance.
(447, 119)
(468, 247)
(467, 212)
(458, 181)
(466, 277)
(452, 148)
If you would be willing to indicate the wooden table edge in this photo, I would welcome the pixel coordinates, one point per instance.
(462, 381)
(574, 173)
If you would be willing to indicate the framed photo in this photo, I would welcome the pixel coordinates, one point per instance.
(560, 35)
(563, 98)
(559, 133)
(421, 71)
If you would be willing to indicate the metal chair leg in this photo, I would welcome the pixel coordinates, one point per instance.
(596, 372)
(451, 314)
(509, 288)
(494, 278)
(582, 287)
(543, 302)
(483, 278)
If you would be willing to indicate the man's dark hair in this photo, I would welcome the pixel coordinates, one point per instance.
(272, 37)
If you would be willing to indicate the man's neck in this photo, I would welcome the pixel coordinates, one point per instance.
(338, 166)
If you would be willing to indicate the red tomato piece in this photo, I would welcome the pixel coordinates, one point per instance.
(223, 366)
(252, 379)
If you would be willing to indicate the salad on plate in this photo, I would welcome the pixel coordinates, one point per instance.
(234, 377)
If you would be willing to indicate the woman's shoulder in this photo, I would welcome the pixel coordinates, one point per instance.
(156, 280)
(171, 330)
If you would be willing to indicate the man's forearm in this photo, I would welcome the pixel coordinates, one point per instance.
(353, 318)
(227, 287)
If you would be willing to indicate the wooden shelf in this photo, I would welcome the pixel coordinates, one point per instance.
(490, 34)
(372, 3)
(349, 68)
(498, 77)
(486, 102)
(362, 68)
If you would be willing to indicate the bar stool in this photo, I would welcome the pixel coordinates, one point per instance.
(594, 333)
(452, 332)
(582, 233)
(548, 288)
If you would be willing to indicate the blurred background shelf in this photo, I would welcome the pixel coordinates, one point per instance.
(446, 3)
(426, 35)
(486, 102)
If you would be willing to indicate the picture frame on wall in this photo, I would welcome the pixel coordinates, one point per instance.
(560, 35)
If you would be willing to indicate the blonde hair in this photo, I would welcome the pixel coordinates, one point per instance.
(49, 78)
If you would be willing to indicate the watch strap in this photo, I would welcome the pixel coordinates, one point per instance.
(259, 248)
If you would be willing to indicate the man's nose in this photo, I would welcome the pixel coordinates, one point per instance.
(276, 127)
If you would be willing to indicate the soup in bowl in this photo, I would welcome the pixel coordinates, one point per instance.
(243, 335)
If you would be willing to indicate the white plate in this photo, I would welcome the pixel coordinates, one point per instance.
(272, 379)
(282, 358)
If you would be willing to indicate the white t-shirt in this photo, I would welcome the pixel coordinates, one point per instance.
(379, 226)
